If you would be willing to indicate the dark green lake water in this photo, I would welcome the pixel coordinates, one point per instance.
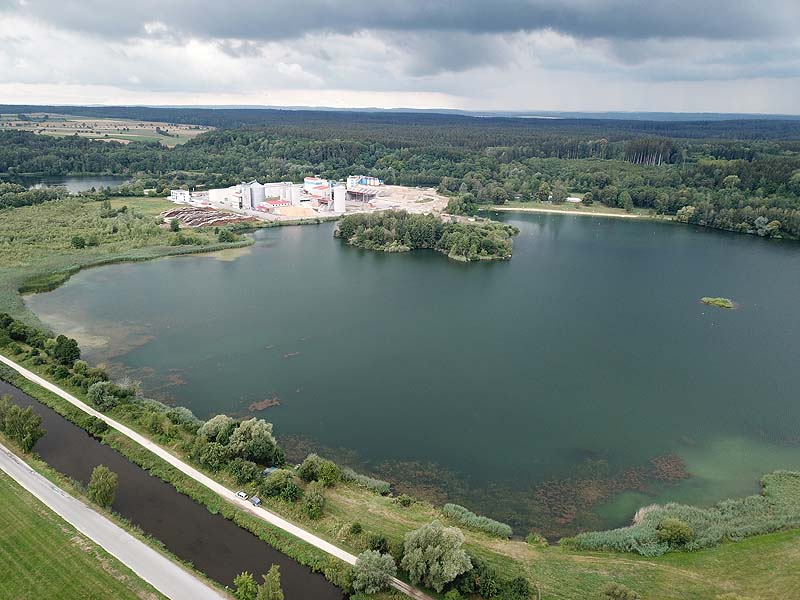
(537, 390)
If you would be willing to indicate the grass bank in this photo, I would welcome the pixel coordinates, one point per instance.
(77, 490)
(40, 555)
(38, 248)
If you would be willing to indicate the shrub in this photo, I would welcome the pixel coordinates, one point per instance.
(470, 520)
(246, 587)
(617, 591)
(104, 395)
(243, 471)
(94, 426)
(309, 469)
(373, 572)
(102, 486)
(433, 555)
(66, 350)
(217, 429)
(355, 528)
(226, 236)
(281, 484)
(404, 500)
(515, 589)
(180, 415)
(213, 456)
(328, 473)
(314, 500)
(253, 440)
(378, 542)
(775, 509)
(22, 426)
(374, 485)
(536, 539)
(674, 532)
(481, 580)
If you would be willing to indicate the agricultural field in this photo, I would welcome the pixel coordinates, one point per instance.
(40, 556)
(119, 130)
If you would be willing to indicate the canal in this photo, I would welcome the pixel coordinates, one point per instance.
(214, 545)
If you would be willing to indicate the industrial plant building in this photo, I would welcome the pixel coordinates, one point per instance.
(320, 195)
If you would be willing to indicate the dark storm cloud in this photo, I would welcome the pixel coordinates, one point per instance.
(279, 19)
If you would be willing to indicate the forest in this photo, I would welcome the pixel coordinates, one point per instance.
(399, 231)
(738, 175)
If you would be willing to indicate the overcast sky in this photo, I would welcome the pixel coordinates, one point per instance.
(658, 55)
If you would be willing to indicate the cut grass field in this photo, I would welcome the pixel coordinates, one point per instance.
(42, 556)
(121, 130)
(143, 204)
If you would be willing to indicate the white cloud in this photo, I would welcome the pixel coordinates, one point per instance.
(162, 60)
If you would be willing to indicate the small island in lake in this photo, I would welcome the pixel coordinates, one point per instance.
(399, 231)
(718, 302)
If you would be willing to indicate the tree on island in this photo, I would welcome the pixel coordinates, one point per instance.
(103, 486)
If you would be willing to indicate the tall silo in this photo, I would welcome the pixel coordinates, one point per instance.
(339, 196)
(258, 194)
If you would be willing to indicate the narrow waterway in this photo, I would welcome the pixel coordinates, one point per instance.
(215, 546)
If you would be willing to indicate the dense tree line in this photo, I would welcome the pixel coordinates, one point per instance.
(13, 195)
(476, 127)
(729, 173)
(399, 231)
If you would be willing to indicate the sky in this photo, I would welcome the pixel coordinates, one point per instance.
(554, 55)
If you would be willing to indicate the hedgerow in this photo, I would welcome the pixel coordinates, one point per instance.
(470, 520)
(378, 486)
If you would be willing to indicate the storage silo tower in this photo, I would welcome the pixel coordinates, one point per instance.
(339, 195)
(258, 193)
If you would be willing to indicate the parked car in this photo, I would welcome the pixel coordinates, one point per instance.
(255, 501)
(242, 495)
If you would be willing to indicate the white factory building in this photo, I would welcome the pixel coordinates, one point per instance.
(320, 194)
(187, 197)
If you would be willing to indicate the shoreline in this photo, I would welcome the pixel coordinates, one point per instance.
(563, 212)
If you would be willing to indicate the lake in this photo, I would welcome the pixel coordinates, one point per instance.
(559, 390)
(74, 185)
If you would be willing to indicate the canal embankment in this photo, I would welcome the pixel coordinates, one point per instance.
(215, 545)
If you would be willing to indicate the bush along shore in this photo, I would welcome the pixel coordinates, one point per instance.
(393, 534)
(399, 231)
(677, 527)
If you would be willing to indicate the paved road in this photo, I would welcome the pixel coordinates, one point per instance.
(156, 569)
(205, 480)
